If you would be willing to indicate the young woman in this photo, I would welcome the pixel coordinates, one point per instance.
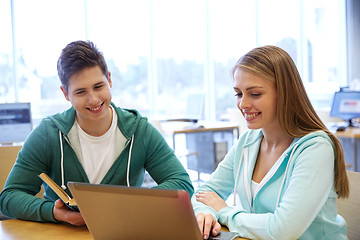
(286, 171)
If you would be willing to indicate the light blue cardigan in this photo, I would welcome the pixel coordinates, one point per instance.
(295, 200)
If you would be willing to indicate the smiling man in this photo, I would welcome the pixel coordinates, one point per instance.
(93, 141)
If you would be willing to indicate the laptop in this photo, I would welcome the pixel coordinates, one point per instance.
(120, 212)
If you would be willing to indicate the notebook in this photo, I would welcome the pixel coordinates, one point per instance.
(119, 212)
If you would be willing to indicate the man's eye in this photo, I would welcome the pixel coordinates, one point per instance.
(80, 92)
(98, 86)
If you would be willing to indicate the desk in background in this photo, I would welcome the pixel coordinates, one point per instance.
(15, 229)
(349, 139)
(209, 143)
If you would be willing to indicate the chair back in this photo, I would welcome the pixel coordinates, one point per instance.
(349, 208)
(8, 155)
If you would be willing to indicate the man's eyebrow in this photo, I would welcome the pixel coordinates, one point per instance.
(79, 89)
(99, 83)
(82, 89)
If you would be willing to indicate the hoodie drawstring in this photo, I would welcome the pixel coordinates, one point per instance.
(62, 162)
(283, 180)
(237, 176)
(244, 155)
(128, 166)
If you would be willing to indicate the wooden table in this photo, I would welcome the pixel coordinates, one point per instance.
(14, 229)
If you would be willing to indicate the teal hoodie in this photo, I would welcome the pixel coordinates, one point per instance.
(295, 200)
(48, 149)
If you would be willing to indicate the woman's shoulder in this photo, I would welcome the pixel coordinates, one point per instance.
(314, 137)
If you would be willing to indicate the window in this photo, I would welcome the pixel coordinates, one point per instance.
(42, 29)
(7, 86)
(232, 33)
(324, 50)
(120, 29)
(163, 51)
(178, 44)
(313, 33)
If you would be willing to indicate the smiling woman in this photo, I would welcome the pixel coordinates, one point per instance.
(287, 162)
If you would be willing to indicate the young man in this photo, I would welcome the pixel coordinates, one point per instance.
(93, 141)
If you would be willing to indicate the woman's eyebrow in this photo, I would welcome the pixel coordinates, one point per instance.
(249, 88)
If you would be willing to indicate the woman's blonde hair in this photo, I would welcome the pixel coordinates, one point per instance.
(296, 114)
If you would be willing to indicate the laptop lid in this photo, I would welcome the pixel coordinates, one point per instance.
(119, 212)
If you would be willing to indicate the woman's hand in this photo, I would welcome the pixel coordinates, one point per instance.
(63, 214)
(211, 199)
(207, 223)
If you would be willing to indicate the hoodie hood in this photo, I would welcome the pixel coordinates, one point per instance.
(128, 121)
(253, 137)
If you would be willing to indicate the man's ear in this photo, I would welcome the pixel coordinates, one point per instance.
(110, 82)
(65, 93)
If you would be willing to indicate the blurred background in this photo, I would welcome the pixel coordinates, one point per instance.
(160, 52)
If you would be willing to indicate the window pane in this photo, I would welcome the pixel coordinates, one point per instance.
(325, 34)
(43, 28)
(232, 34)
(179, 44)
(7, 87)
(279, 24)
(120, 29)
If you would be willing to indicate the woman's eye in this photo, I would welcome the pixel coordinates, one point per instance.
(256, 94)
(238, 95)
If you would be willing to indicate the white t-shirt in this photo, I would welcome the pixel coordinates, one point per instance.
(98, 153)
(254, 187)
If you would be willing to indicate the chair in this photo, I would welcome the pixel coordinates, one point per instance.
(8, 155)
(349, 208)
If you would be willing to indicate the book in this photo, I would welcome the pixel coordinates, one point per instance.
(70, 202)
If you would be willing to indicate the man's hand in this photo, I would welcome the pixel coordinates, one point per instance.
(207, 223)
(63, 214)
(211, 199)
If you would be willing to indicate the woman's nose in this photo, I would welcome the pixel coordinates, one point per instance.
(243, 103)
